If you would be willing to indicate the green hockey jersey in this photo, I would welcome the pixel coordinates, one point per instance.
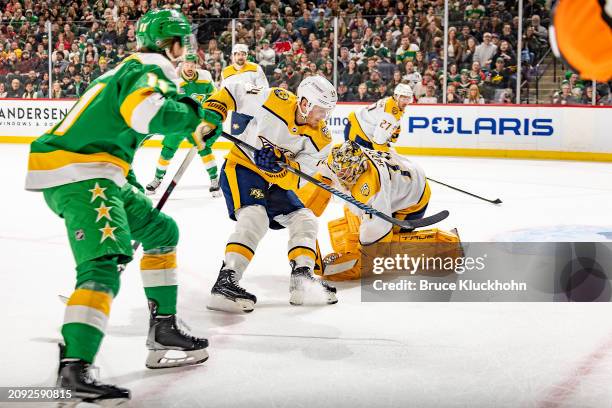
(119, 111)
(198, 88)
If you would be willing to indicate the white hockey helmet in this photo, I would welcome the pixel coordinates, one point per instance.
(403, 90)
(240, 48)
(318, 91)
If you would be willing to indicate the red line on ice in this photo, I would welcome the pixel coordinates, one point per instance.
(562, 391)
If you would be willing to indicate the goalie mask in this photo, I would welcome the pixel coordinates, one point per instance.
(347, 161)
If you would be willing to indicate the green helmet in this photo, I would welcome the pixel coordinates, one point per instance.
(191, 57)
(156, 29)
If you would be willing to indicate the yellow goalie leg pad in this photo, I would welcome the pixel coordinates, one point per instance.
(344, 232)
(346, 264)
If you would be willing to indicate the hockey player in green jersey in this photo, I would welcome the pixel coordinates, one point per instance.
(197, 84)
(81, 165)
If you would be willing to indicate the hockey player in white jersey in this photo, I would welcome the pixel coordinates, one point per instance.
(246, 72)
(386, 181)
(378, 125)
(259, 193)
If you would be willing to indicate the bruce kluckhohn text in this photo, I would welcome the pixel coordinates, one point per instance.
(460, 285)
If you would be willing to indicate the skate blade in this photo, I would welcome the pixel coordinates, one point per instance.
(149, 192)
(111, 402)
(315, 291)
(296, 297)
(159, 358)
(216, 194)
(223, 304)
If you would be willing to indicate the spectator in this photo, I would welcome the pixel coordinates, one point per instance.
(539, 30)
(78, 86)
(266, 57)
(507, 54)
(277, 77)
(430, 94)
(499, 77)
(351, 76)
(292, 78)
(484, 52)
(57, 92)
(587, 97)
(343, 59)
(565, 97)
(453, 76)
(451, 95)
(406, 51)
(420, 88)
(362, 94)
(412, 77)
(378, 49)
(468, 55)
(109, 53)
(3, 92)
(374, 82)
(474, 11)
(15, 90)
(473, 97)
(476, 75)
(43, 90)
(343, 92)
(455, 50)
(507, 35)
(357, 52)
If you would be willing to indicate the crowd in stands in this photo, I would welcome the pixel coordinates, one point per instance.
(380, 44)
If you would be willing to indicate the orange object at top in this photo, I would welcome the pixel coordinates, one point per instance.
(581, 32)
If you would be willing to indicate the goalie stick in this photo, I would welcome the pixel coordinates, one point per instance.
(407, 225)
(179, 173)
(496, 201)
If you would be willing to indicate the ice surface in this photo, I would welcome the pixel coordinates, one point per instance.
(351, 354)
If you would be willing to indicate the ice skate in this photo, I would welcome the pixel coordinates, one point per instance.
(75, 375)
(152, 187)
(228, 296)
(214, 189)
(301, 279)
(169, 346)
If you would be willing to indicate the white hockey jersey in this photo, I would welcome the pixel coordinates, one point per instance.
(377, 122)
(390, 184)
(250, 73)
(273, 111)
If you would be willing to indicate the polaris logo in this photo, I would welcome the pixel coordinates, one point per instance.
(484, 125)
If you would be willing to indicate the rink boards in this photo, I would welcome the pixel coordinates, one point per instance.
(512, 131)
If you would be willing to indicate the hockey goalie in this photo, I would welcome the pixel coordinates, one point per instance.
(389, 183)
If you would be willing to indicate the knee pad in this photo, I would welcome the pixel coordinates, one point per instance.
(251, 225)
(301, 223)
(165, 233)
(99, 274)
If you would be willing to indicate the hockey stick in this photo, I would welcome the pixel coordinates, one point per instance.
(408, 225)
(179, 173)
(496, 201)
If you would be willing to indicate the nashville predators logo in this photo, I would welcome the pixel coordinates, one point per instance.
(365, 190)
(395, 110)
(257, 193)
(281, 94)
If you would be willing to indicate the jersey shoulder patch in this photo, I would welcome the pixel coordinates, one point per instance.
(392, 108)
(282, 104)
(367, 185)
